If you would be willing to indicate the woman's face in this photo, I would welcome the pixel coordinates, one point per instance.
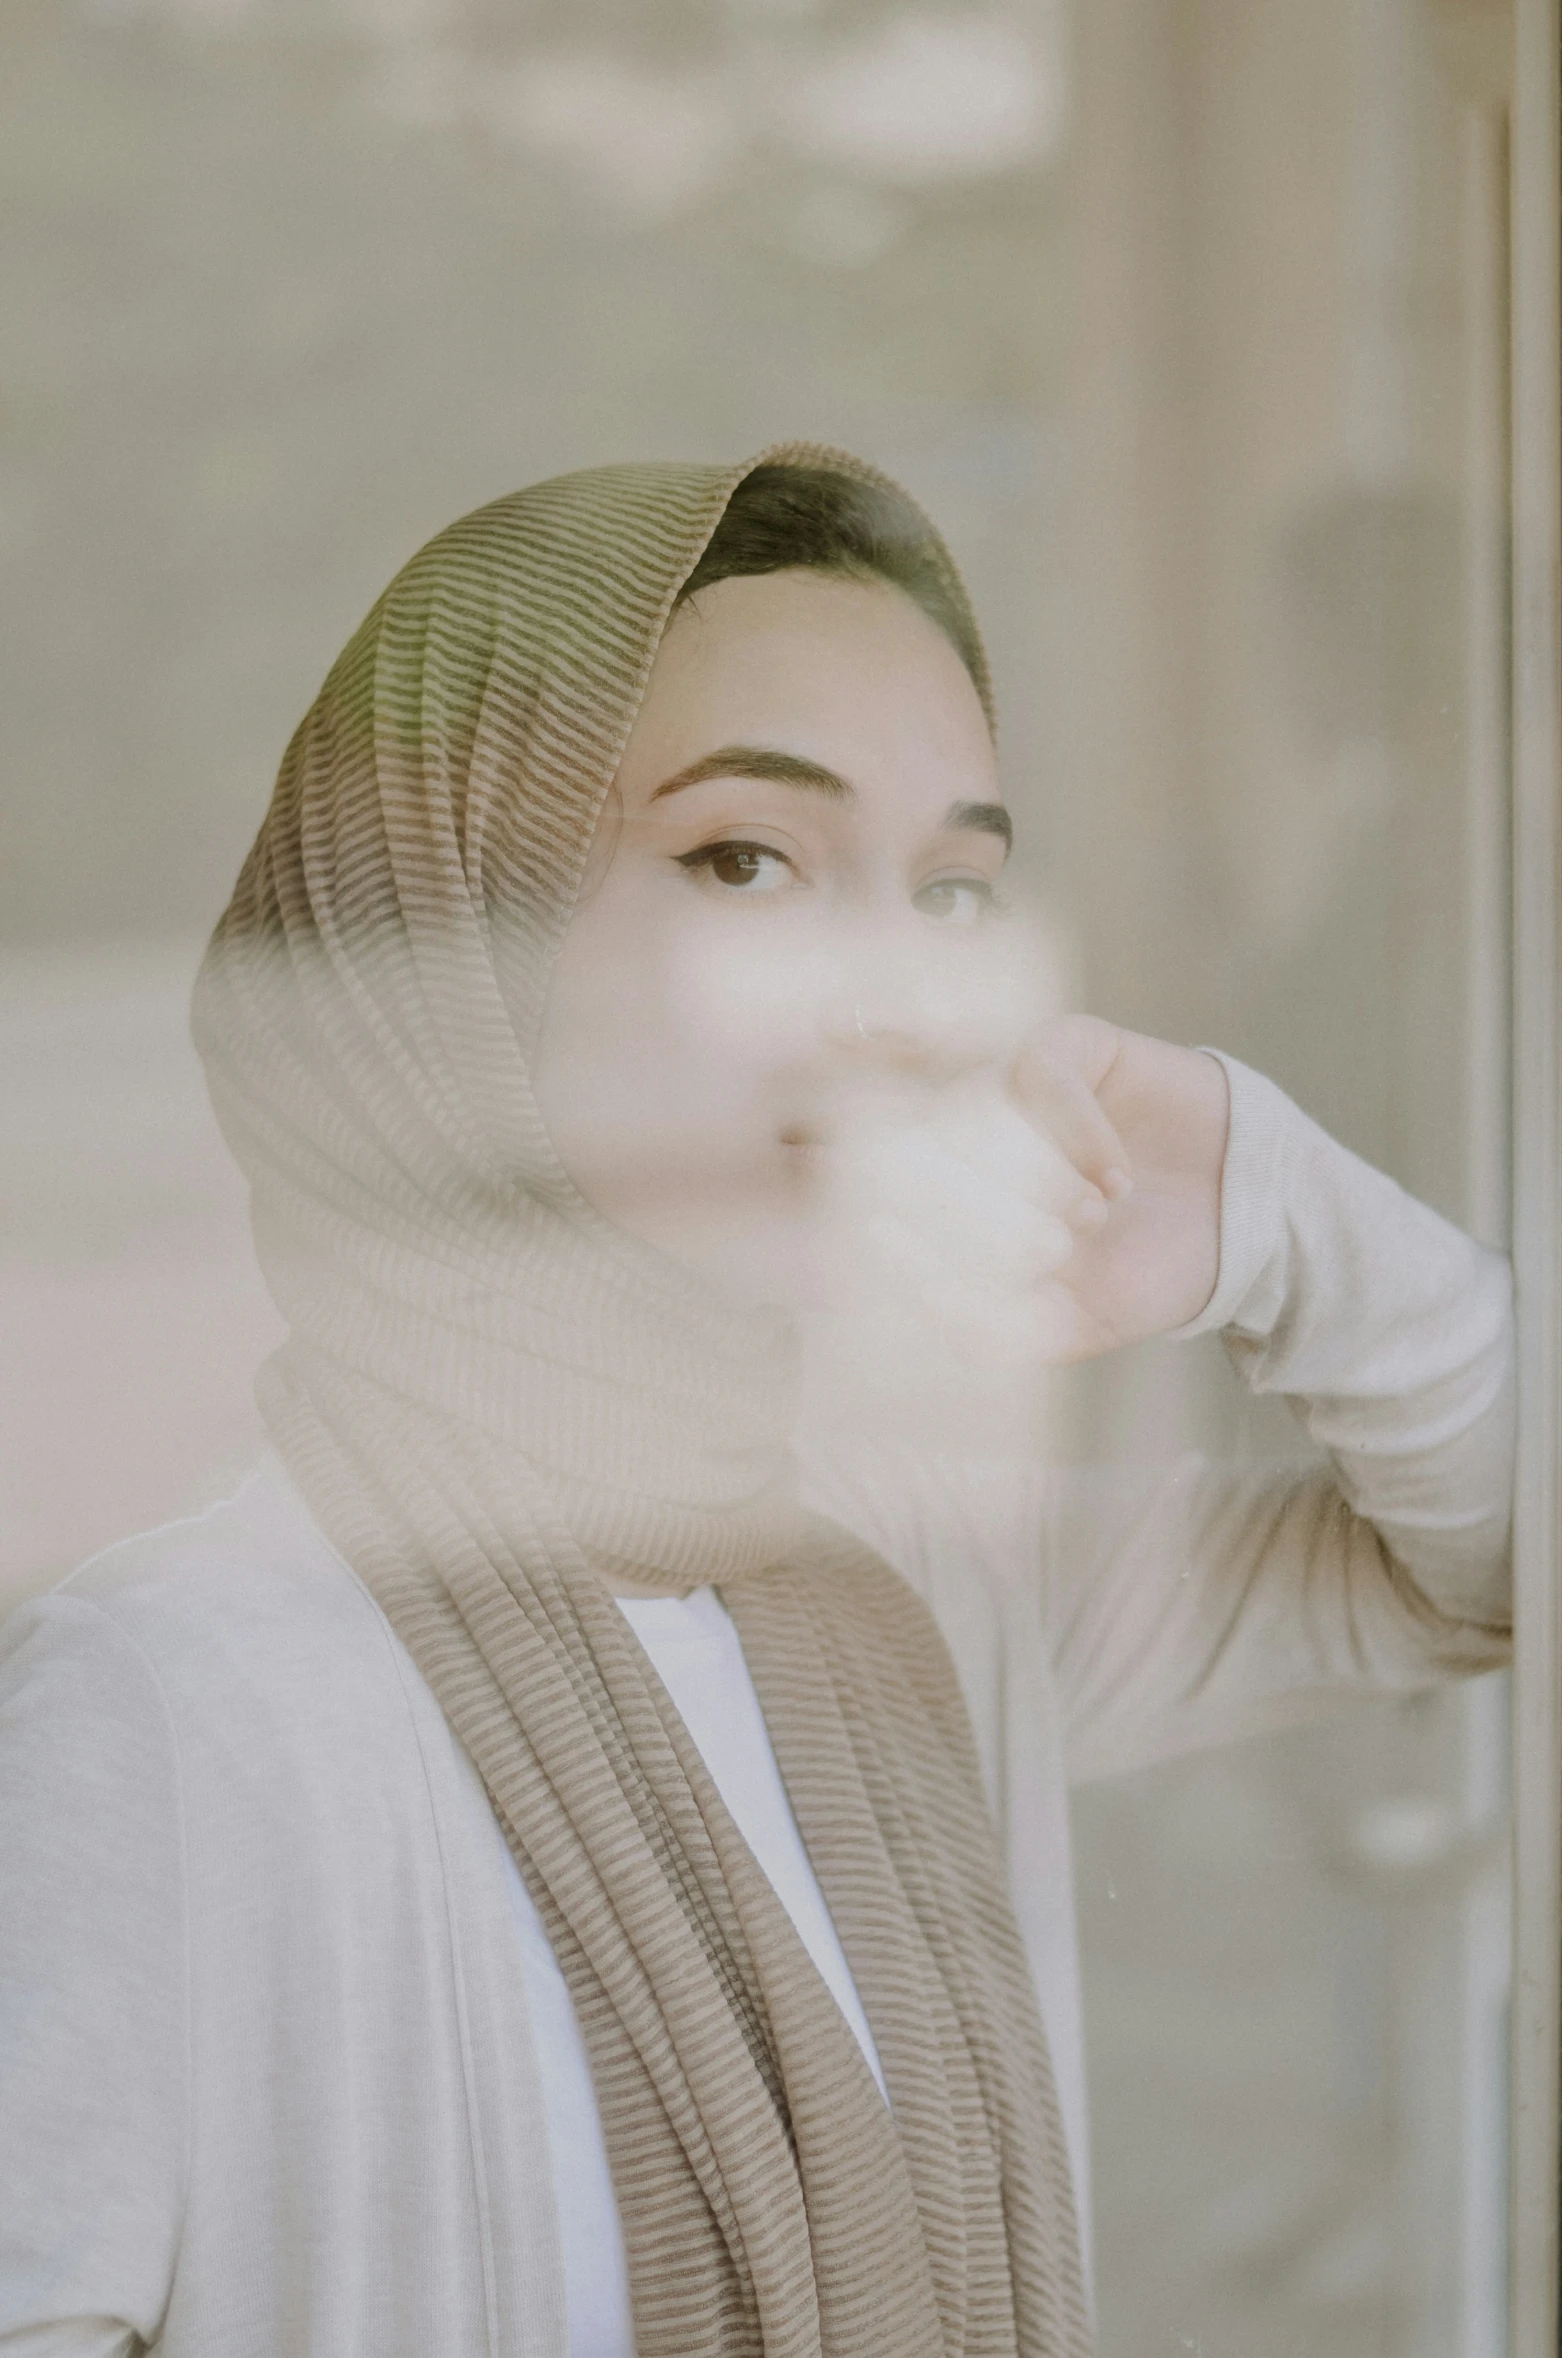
(790, 904)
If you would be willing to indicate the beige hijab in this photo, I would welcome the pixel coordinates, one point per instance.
(488, 1393)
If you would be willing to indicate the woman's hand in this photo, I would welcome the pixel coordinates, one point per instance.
(1145, 1123)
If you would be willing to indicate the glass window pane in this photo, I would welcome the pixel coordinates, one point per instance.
(1189, 325)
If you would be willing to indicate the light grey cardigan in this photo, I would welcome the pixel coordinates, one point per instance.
(267, 2084)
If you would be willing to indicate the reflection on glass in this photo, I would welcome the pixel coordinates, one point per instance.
(1311, 446)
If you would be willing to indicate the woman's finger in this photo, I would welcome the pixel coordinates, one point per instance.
(1055, 1080)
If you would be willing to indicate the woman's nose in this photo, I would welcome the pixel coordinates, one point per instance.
(893, 1037)
(910, 1006)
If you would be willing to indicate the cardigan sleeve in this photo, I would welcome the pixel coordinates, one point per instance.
(94, 2094)
(1190, 1603)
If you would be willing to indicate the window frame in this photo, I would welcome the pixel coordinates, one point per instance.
(1536, 191)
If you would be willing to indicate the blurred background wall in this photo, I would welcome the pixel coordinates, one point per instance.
(1186, 319)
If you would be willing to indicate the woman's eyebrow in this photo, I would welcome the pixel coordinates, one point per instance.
(775, 768)
(758, 761)
(981, 818)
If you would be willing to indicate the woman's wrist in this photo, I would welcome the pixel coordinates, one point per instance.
(1250, 1215)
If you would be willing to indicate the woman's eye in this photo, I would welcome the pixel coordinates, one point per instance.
(957, 900)
(743, 867)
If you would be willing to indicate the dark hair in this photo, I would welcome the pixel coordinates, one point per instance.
(781, 516)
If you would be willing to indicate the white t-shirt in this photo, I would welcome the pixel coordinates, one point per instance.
(695, 1648)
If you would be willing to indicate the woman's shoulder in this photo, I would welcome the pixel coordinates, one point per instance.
(219, 1621)
(917, 1505)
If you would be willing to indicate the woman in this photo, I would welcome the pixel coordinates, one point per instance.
(539, 1870)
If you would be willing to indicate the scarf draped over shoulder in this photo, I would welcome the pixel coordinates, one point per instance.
(488, 1393)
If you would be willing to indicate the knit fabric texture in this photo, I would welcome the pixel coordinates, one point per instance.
(488, 1393)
